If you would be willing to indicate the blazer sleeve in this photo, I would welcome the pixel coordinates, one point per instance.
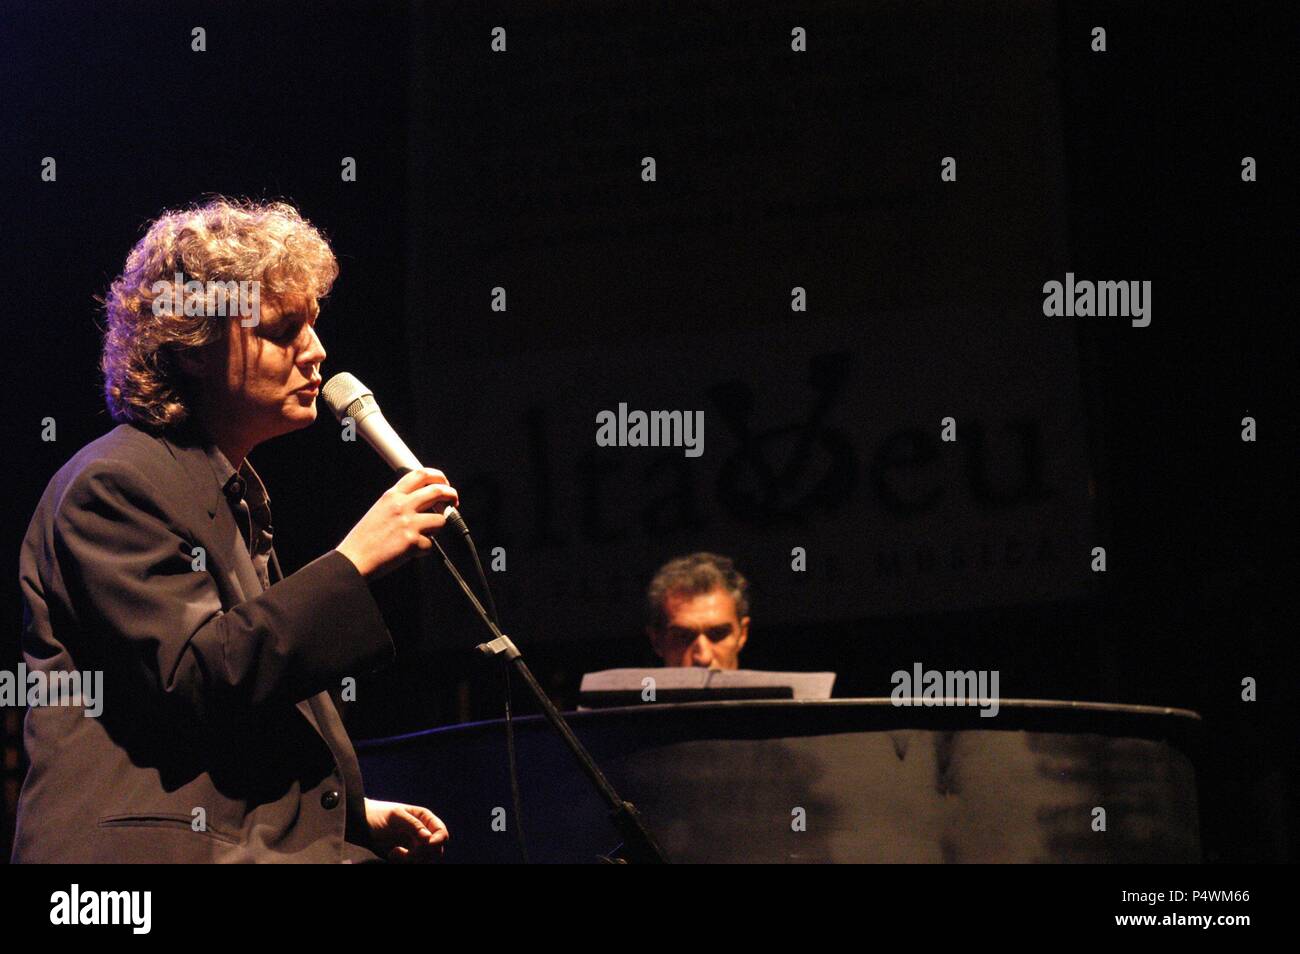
(128, 569)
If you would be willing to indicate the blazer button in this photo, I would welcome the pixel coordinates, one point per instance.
(330, 799)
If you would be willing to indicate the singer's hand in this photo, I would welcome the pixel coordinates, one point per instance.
(396, 528)
(405, 833)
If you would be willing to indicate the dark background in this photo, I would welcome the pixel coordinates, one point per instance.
(1154, 131)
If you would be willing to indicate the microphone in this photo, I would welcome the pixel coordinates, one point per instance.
(348, 397)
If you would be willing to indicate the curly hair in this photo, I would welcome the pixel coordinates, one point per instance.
(219, 241)
(695, 575)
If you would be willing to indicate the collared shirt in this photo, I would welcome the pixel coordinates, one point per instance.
(251, 506)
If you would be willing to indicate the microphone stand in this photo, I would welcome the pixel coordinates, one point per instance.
(639, 846)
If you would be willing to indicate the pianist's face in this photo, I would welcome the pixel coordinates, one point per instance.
(701, 630)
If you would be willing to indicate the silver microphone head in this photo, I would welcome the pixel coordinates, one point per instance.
(348, 397)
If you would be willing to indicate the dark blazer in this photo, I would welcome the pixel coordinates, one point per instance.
(214, 690)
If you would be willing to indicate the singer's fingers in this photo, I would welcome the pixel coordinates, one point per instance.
(415, 479)
(425, 521)
(432, 822)
(429, 495)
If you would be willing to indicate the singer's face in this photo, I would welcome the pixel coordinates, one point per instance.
(702, 631)
(273, 376)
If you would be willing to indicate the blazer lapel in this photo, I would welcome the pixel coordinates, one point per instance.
(226, 542)
(235, 550)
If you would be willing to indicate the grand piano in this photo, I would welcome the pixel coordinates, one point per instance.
(840, 780)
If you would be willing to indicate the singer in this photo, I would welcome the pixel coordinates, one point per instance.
(149, 563)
